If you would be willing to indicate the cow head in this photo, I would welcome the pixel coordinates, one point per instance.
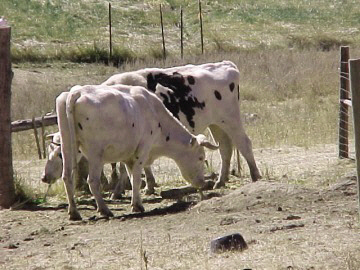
(54, 164)
(192, 164)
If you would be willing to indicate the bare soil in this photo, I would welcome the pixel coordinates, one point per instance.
(302, 215)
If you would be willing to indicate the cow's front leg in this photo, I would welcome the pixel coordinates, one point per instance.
(69, 187)
(135, 178)
(94, 183)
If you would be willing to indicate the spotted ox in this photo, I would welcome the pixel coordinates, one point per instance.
(200, 96)
(127, 124)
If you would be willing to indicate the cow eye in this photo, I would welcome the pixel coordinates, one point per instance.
(201, 158)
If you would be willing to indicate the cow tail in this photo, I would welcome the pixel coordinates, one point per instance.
(70, 107)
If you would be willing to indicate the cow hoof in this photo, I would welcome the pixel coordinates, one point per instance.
(256, 177)
(219, 184)
(106, 213)
(116, 196)
(138, 208)
(149, 191)
(74, 216)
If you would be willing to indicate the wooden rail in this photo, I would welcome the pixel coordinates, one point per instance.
(21, 125)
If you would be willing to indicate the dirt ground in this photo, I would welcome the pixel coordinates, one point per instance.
(301, 215)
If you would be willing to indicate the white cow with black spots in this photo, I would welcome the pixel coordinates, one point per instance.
(127, 124)
(200, 96)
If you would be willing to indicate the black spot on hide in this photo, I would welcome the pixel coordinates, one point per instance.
(80, 126)
(232, 86)
(151, 132)
(167, 138)
(87, 118)
(180, 99)
(159, 125)
(133, 124)
(217, 95)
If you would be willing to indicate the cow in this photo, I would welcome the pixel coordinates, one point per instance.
(54, 166)
(123, 123)
(200, 96)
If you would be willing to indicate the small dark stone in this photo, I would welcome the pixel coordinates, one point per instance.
(292, 217)
(12, 246)
(229, 242)
(28, 239)
(280, 208)
(80, 126)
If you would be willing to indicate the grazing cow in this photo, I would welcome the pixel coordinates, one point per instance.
(127, 124)
(54, 167)
(200, 96)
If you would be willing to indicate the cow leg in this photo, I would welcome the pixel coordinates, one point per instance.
(70, 190)
(114, 176)
(135, 178)
(225, 149)
(120, 185)
(150, 181)
(95, 170)
(243, 143)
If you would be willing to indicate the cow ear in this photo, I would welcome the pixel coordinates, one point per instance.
(50, 136)
(203, 141)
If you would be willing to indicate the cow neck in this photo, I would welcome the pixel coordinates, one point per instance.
(174, 135)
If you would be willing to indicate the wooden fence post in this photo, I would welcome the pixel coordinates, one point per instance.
(181, 34)
(201, 28)
(7, 187)
(344, 107)
(162, 33)
(355, 92)
(110, 34)
(36, 137)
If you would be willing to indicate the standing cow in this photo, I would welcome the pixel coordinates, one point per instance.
(200, 96)
(127, 124)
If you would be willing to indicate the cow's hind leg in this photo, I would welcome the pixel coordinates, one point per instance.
(135, 172)
(150, 181)
(120, 186)
(69, 187)
(94, 183)
(225, 149)
(243, 143)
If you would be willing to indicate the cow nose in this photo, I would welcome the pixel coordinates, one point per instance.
(43, 178)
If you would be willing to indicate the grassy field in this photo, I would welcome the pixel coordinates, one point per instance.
(78, 30)
(288, 57)
(287, 53)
